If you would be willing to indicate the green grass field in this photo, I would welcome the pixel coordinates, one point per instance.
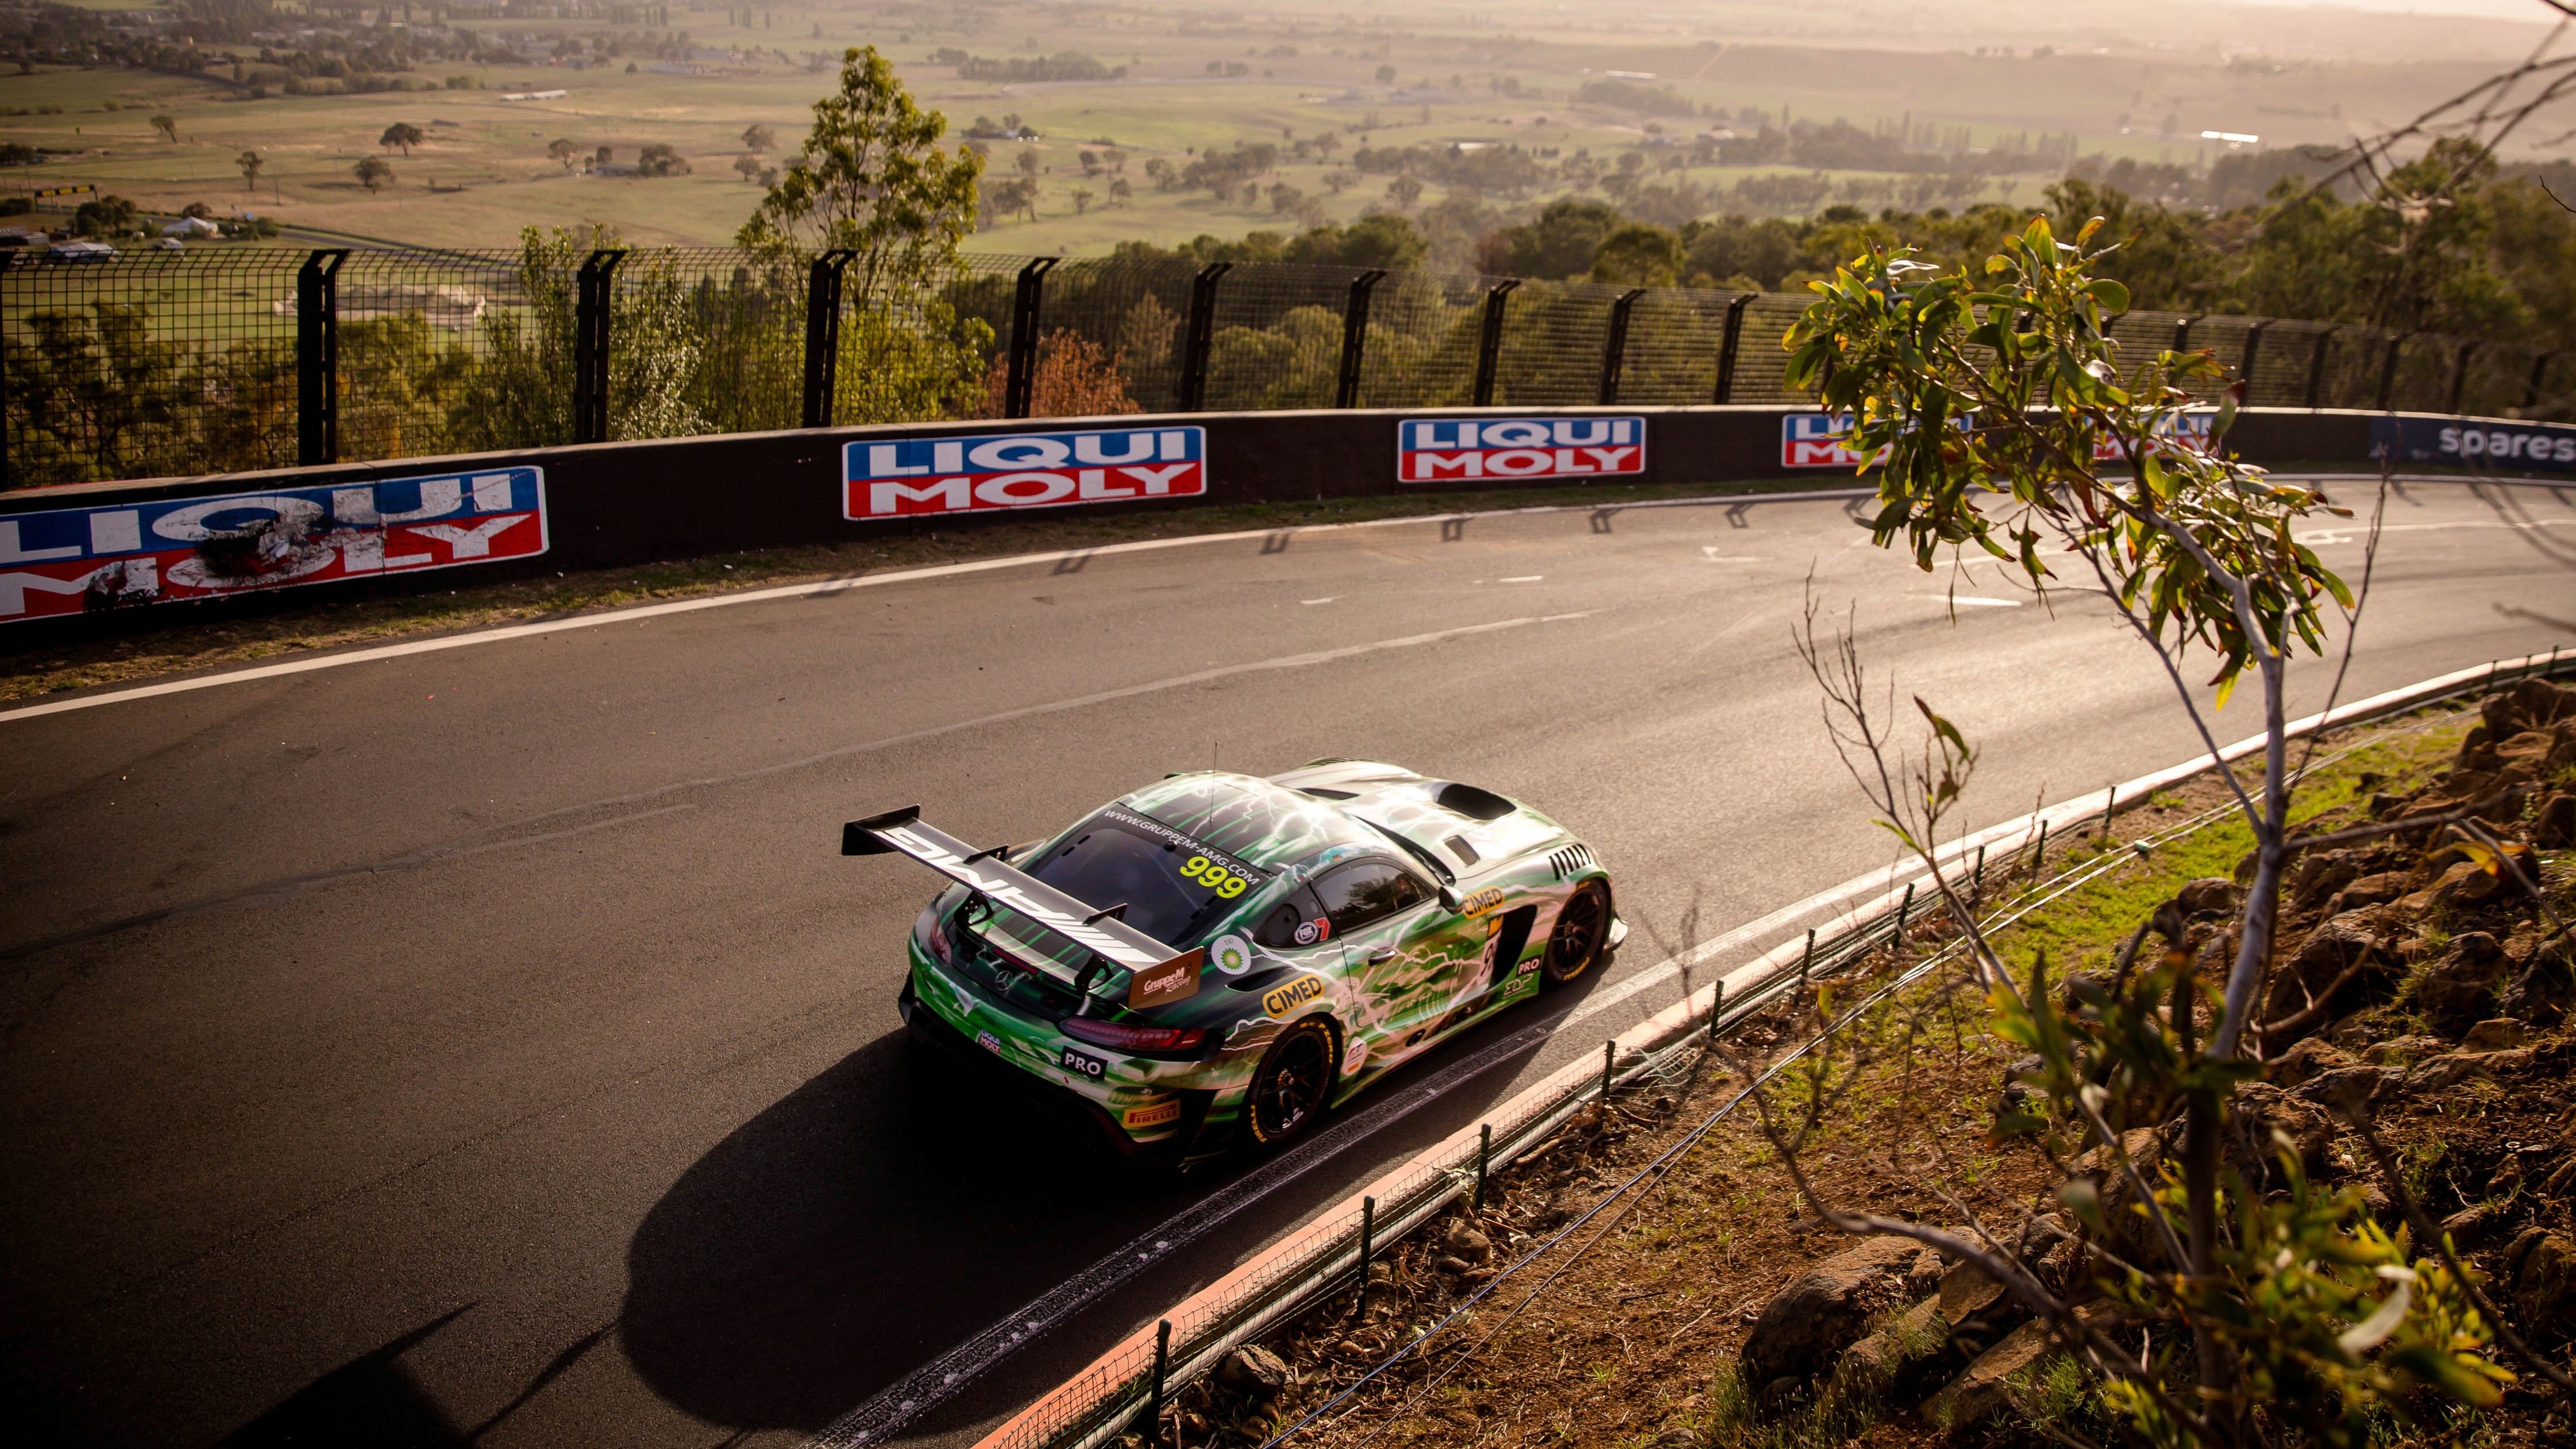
(484, 173)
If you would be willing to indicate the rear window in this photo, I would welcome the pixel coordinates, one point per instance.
(1175, 887)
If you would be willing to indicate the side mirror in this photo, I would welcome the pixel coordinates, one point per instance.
(1449, 900)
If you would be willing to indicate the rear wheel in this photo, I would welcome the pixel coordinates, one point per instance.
(1290, 1086)
(1580, 937)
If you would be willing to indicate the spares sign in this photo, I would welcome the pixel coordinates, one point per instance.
(2480, 444)
(1440, 450)
(70, 560)
(1823, 440)
(1020, 470)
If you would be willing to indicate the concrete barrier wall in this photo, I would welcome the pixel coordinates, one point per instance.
(70, 557)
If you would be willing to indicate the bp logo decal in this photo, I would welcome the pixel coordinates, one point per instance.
(1231, 954)
(1287, 997)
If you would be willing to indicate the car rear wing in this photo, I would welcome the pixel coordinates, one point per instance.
(1157, 976)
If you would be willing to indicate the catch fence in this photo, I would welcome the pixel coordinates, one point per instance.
(232, 358)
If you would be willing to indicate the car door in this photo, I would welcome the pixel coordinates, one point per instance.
(1406, 956)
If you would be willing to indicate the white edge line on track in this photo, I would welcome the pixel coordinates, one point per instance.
(856, 581)
(1860, 898)
(902, 576)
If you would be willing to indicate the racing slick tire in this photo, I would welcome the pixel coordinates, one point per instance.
(1580, 939)
(1292, 1084)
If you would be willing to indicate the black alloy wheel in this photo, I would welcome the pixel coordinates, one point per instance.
(1580, 937)
(1290, 1087)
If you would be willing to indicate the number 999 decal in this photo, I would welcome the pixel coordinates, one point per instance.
(1214, 876)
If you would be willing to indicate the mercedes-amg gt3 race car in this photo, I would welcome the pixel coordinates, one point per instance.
(1217, 954)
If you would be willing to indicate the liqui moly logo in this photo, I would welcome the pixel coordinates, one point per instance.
(1021, 470)
(70, 560)
(2181, 432)
(1441, 450)
(1817, 440)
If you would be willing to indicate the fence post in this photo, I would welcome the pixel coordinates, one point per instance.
(1198, 339)
(2182, 333)
(2460, 373)
(1346, 389)
(1021, 380)
(2388, 369)
(1614, 353)
(1726, 348)
(823, 335)
(1162, 1368)
(1368, 1245)
(1489, 347)
(592, 308)
(1484, 1155)
(2253, 349)
(317, 358)
(2317, 364)
(2539, 374)
(1716, 1007)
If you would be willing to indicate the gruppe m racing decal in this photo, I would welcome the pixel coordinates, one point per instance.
(1438, 450)
(1020, 470)
(65, 561)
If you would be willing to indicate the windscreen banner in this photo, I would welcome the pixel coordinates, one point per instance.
(916, 476)
(74, 560)
(1517, 450)
(2479, 443)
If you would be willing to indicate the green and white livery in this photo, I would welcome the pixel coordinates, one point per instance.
(1221, 956)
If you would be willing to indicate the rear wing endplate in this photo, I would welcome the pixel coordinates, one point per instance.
(1159, 976)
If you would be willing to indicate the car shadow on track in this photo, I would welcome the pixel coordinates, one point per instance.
(901, 1201)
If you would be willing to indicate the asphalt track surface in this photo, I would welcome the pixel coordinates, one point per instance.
(489, 1045)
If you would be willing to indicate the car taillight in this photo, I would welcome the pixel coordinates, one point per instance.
(935, 935)
(1133, 1038)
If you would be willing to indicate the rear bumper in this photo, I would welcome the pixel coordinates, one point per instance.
(929, 1028)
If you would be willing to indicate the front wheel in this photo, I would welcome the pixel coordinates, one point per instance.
(1581, 936)
(1290, 1086)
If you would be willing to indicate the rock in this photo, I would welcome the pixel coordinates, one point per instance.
(1966, 1289)
(1254, 1372)
(2398, 1051)
(2369, 890)
(2321, 874)
(2544, 1285)
(1984, 1388)
(2347, 1087)
(2305, 1060)
(1449, 1263)
(1673, 1439)
(1871, 1365)
(1465, 1242)
(2556, 827)
(1779, 1394)
(2531, 704)
(1924, 1274)
(2257, 1111)
(2345, 940)
(2495, 1034)
(2209, 893)
(2539, 995)
(2459, 989)
(1807, 1324)
(2445, 1072)
(2473, 1225)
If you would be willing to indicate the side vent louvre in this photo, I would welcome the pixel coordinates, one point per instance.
(1459, 847)
(1570, 860)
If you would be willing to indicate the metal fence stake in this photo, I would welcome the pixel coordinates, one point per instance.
(1489, 345)
(594, 312)
(1200, 340)
(2388, 369)
(1977, 883)
(1162, 1368)
(2539, 375)
(2317, 365)
(2039, 852)
(1346, 388)
(1614, 351)
(2253, 349)
(1904, 908)
(1368, 1247)
(1027, 304)
(1727, 346)
(1608, 1049)
(1716, 1006)
(1484, 1153)
(823, 334)
(1807, 962)
(2110, 802)
(2460, 372)
(317, 358)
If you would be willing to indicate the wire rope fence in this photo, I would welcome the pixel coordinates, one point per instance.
(229, 359)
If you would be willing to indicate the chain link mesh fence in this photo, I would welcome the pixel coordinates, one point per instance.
(159, 363)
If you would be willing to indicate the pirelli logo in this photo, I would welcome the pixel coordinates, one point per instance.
(1152, 1114)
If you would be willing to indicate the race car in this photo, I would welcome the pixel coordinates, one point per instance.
(1221, 956)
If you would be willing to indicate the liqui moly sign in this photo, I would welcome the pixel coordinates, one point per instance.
(1442, 450)
(72, 560)
(1021, 470)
